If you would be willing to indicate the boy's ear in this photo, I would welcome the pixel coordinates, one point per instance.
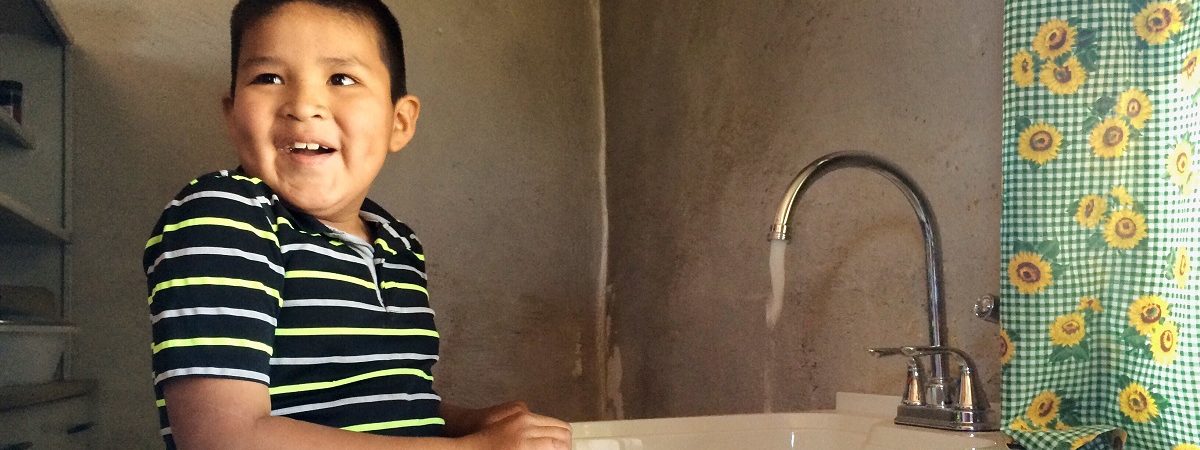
(227, 107)
(404, 121)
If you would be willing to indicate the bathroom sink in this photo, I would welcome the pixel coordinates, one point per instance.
(859, 423)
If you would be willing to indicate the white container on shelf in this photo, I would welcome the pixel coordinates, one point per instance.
(30, 351)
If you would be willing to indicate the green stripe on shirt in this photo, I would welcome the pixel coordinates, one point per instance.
(344, 381)
(214, 221)
(292, 274)
(396, 424)
(214, 281)
(203, 341)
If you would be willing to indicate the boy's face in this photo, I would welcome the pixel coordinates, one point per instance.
(312, 114)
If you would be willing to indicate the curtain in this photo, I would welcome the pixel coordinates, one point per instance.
(1100, 220)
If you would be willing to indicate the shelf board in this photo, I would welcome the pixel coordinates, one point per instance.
(13, 133)
(35, 18)
(19, 224)
(12, 397)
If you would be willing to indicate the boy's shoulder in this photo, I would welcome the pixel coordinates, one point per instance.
(227, 181)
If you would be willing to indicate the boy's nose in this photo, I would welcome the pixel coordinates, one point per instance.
(304, 104)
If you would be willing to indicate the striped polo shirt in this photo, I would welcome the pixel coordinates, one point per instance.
(241, 286)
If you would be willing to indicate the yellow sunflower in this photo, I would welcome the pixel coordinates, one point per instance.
(1091, 210)
(1018, 424)
(1092, 303)
(1022, 69)
(1121, 194)
(1083, 440)
(1181, 267)
(1135, 105)
(1064, 79)
(1055, 38)
(1061, 426)
(1163, 343)
(1068, 330)
(1179, 164)
(1157, 22)
(1137, 404)
(1189, 77)
(1186, 447)
(1125, 229)
(1006, 347)
(1146, 312)
(1043, 409)
(1110, 138)
(1029, 272)
(1039, 143)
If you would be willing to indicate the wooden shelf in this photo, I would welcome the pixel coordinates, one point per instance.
(35, 18)
(19, 224)
(13, 133)
(12, 397)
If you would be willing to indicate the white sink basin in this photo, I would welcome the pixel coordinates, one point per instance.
(858, 424)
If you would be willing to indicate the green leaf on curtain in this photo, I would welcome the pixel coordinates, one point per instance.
(1048, 249)
(1023, 123)
(1185, 11)
(1061, 354)
(1134, 133)
(1059, 269)
(1139, 208)
(1096, 241)
(1089, 58)
(1161, 402)
(1137, 5)
(1169, 269)
(1102, 106)
(1133, 339)
(1091, 122)
(1085, 38)
(1073, 207)
(1142, 45)
(1022, 246)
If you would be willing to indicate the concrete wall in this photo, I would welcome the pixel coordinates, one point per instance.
(712, 108)
(501, 182)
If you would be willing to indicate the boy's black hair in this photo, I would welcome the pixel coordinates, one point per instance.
(391, 41)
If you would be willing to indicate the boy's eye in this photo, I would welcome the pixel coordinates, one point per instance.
(267, 78)
(342, 79)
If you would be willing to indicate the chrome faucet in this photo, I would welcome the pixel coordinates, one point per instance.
(921, 392)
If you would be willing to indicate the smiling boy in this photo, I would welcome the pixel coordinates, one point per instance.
(288, 310)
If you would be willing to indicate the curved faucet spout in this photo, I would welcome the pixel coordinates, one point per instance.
(933, 267)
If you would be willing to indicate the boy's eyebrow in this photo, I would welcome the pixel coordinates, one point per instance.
(260, 61)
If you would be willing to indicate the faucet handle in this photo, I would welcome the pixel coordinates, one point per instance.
(971, 395)
(914, 383)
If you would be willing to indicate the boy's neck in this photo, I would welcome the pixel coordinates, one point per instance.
(356, 227)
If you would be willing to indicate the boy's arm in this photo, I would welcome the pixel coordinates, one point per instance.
(462, 421)
(218, 413)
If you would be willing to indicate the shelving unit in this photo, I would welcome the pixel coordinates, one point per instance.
(35, 206)
(20, 225)
(15, 134)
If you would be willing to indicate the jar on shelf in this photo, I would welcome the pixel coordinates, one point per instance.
(10, 98)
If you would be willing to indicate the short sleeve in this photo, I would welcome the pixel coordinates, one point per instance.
(214, 275)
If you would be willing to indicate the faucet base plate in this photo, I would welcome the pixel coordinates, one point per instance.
(945, 418)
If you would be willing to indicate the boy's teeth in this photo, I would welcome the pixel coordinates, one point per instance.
(312, 146)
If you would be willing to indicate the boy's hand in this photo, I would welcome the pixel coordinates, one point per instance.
(521, 430)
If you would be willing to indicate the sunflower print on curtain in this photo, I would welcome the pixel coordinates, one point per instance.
(1100, 338)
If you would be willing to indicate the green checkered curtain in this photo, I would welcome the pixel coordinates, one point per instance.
(1101, 322)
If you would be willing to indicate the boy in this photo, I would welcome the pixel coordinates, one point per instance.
(288, 310)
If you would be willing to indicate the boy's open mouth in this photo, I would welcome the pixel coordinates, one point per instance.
(308, 148)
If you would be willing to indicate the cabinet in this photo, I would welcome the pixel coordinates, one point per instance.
(35, 177)
(34, 154)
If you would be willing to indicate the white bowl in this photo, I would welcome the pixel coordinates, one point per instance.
(30, 352)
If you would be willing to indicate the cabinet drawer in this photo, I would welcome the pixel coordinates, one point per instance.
(62, 424)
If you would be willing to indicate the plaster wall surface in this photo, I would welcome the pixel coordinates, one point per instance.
(501, 184)
(712, 108)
